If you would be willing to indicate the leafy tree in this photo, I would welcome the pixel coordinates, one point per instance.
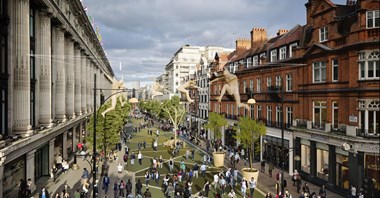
(108, 128)
(174, 111)
(250, 132)
(215, 124)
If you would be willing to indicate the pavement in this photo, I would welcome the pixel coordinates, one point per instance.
(268, 184)
(72, 178)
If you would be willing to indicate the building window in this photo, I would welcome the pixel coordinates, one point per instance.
(282, 53)
(305, 158)
(289, 82)
(322, 161)
(335, 64)
(244, 86)
(255, 61)
(342, 169)
(373, 19)
(269, 82)
(251, 86)
(273, 55)
(369, 117)
(335, 115)
(258, 85)
(269, 115)
(289, 117)
(319, 114)
(278, 116)
(252, 111)
(323, 34)
(319, 71)
(262, 56)
(278, 81)
(249, 62)
(291, 47)
(259, 112)
(369, 67)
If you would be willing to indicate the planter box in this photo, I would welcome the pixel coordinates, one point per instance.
(248, 174)
(218, 159)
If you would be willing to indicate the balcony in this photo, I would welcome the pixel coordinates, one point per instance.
(232, 117)
(301, 123)
(318, 125)
(340, 129)
(369, 133)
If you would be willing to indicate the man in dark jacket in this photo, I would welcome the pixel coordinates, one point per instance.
(138, 187)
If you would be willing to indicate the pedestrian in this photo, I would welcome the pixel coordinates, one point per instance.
(147, 194)
(133, 157)
(232, 194)
(270, 170)
(138, 186)
(295, 177)
(106, 183)
(171, 164)
(203, 169)
(157, 177)
(169, 190)
(115, 190)
(216, 180)
(160, 162)
(44, 193)
(140, 157)
(206, 188)
(121, 187)
(29, 187)
(195, 170)
(144, 144)
(262, 166)
(155, 144)
(128, 187)
(77, 194)
(147, 178)
(165, 181)
(252, 185)
(192, 154)
(322, 192)
(287, 194)
(222, 184)
(306, 188)
(268, 195)
(243, 187)
(353, 192)
(84, 177)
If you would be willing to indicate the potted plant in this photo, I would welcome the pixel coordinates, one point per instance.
(215, 124)
(249, 133)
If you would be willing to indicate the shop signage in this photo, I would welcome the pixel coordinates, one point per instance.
(353, 118)
(319, 137)
(372, 148)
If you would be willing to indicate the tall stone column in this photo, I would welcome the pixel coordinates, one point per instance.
(77, 77)
(83, 83)
(30, 165)
(58, 63)
(44, 49)
(20, 61)
(69, 66)
(51, 153)
(75, 141)
(89, 83)
(64, 145)
(2, 160)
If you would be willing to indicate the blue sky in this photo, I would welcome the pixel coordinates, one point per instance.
(141, 36)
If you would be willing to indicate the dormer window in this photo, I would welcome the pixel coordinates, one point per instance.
(282, 53)
(273, 55)
(255, 60)
(323, 34)
(373, 19)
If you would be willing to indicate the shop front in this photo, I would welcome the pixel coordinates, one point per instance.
(272, 151)
(14, 171)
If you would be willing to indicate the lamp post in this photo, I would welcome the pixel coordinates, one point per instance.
(132, 100)
(282, 141)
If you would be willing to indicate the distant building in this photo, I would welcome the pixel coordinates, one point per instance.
(135, 85)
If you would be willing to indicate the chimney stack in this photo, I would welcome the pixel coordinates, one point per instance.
(243, 43)
(258, 35)
(281, 32)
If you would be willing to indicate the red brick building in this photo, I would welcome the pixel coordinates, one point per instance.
(327, 75)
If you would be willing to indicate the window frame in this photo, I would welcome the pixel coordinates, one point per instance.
(334, 66)
(374, 12)
(323, 34)
(273, 55)
(282, 53)
(319, 66)
(291, 46)
(258, 81)
(289, 83)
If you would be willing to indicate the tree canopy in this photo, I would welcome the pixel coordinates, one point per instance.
(215, 124)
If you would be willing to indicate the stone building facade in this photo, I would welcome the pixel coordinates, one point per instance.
(327, 75)
(48, 54)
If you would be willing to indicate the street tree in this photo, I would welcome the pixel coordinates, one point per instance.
(249, 132)
(215, 123)
(174, 111)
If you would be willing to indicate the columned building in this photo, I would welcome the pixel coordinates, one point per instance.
(48, 55)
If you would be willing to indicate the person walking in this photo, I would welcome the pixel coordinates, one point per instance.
(138, 186)
(106, 183)
(85, 175)
(252, 185)
(147, 179)
(140, 157)
(171, 164)
(262, 166)
(133, 157)
(206, 188)
(243, 187)
(203, 170)
(195, 170)
(169, 191)
(322, 192)
(115, 190)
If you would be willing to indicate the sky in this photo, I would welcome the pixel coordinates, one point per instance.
(141, 36)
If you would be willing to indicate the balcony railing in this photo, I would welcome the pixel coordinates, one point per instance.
(301, 123)
(338, 129)
(318, 125)
(368, 133)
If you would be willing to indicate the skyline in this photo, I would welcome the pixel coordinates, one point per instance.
(139, 43)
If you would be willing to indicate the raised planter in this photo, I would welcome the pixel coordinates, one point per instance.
(218, 158)
(247, 173)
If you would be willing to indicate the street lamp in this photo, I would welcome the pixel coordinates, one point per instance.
(134, 100)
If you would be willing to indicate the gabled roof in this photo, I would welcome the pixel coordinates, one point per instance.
(315, 47)
(293, 35)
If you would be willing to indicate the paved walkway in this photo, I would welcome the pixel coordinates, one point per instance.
(266, 183)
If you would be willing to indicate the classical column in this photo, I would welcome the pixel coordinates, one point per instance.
(75, 143)
(69, 66)
(64, 145)
(30, 165)
(2, 160)
(60, 79)
(51, 153)
(89, 83)
(20, 60)
(44, 60)
(83, 83)
(77, 77)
